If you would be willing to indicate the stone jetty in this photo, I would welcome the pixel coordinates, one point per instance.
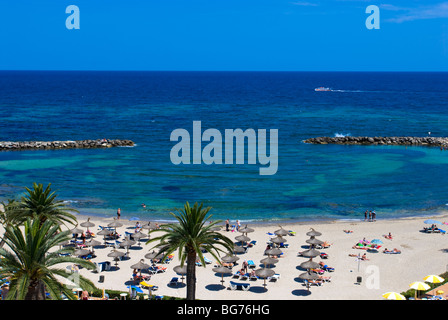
(79, 144)
(441, 142)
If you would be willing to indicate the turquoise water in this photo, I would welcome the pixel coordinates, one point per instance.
(312, 181)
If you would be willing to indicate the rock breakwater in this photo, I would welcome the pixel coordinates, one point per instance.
(441, 142)
(50, 145)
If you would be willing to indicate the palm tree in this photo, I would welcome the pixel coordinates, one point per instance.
(30, 266)
(7, 212)
(42, 205)
(190, 236)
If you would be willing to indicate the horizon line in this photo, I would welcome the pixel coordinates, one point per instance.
(155, 70)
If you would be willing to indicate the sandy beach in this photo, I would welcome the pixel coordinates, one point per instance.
(422, 254)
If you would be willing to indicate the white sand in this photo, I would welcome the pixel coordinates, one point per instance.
(422, 254)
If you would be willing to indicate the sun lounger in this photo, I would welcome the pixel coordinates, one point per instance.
(251, 264)
(146, 285)
(317, 270)
(327, 268)
(242, 286)
(174, 281)
(275, 277)
(207, 261)
(244, 276)
(253, 277)
(323, 255)
(252, 243)
(314, 282)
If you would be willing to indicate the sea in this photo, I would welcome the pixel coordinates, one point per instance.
(312, 182)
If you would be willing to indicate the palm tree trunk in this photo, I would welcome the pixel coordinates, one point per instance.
(36, 291)
(191, 275)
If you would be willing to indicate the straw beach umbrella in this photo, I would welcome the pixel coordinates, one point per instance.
(274, 252)
(92, 243)
(313, 233)
(281, 232)
(222, 270)
(238, 249)
(127, 243)
(264, 274)
(104, 233)
(246, 230)
(81, 252)
(278, 240)
(141, 265)
(268, 261)
(181, 270)
(308, 276)
(87, 224)
(242, 238)
(137, 236)
(314, 241)
(76, 230)
(115, 224)
(311, 253)
(310, 264)
(230, 259)
(116, 255)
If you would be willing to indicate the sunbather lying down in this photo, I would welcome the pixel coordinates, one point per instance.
(363, 257)
(348, 231)
(395, 250)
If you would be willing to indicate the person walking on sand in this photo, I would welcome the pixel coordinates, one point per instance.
(373, 215)
(227, 225)
(118, 213)
(365, 215)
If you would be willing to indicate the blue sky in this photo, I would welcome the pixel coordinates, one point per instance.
(296, 35)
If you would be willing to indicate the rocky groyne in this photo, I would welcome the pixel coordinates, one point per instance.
(49, 145)
(440, 142)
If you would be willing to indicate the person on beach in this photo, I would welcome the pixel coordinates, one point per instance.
(373, 215)
(238, 225)
(118, 213)
(85, 295)
(365, 215)
(370, 215)
(227, 225)
(245, 266)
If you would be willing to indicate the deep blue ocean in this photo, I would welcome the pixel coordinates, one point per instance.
(312, 181)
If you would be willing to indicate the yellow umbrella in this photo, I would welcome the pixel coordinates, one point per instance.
(433, 279)
(419, 286)
(393, 296)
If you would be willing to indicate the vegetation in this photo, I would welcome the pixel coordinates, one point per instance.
(32, 235)
(42, 204)
(411, 292)
(30, 267)
(190, 237)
